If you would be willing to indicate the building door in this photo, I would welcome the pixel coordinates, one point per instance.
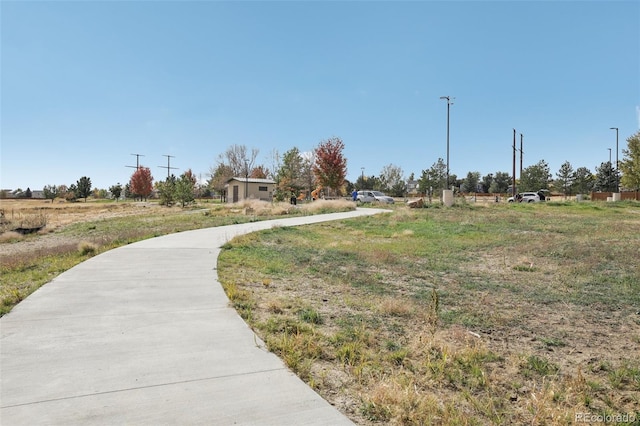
(235, 193)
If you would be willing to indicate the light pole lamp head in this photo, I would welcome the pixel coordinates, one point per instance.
(613, 128)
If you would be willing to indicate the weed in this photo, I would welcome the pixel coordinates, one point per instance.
(539, 365)
(87, 248)
(310, 315)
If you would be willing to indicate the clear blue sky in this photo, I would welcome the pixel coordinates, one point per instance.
(86, 84)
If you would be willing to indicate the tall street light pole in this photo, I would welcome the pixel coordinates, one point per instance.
(449, 103)
(513, 184)
(609, 180)
(617, 165)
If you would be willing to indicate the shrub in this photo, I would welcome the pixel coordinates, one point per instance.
(87, 249)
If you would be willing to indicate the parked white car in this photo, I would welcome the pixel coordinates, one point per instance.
(525, 197)
(373, 196)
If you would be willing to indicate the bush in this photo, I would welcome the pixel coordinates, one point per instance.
(86, 248)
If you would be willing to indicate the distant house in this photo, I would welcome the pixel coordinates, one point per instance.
(412, 187)
(19, 193)
(239, 188)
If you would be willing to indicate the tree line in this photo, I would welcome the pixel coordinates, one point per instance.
(322, 171)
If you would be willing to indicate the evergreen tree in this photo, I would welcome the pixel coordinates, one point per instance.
(116, 191)
(433, 179)
(470, 183)
(566, 177)
(83, 188)
(185, 188)
(583, 181)
(167, 191)
(606, 180)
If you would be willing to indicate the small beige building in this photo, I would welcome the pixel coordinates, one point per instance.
(239, 188)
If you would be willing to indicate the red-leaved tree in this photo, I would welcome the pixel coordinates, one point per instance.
(330, 167)
(141, 183)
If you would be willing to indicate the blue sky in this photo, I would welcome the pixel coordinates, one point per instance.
(85, 84)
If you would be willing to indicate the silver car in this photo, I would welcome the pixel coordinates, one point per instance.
(373, 196)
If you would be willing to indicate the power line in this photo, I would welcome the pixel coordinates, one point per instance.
(137, 166)
(168, 166)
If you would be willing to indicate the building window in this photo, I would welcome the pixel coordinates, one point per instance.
(262, 188)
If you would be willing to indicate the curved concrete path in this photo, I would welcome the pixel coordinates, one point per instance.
(143, 334)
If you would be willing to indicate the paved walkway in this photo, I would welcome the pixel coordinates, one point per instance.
(143, 334)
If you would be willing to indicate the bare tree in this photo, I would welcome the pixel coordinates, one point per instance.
(239, 159)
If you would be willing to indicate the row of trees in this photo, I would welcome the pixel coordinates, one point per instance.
(568, 180)
(81, 189)
(324, 168)
(295, 173)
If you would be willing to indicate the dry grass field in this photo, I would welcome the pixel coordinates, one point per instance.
(472, 315)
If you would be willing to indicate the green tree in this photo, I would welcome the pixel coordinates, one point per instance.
(330, 167)
(486, 182)
(630, 164)
(50, 192)
(583, 181)
(167, 191)
(83, 188)
(536, 177)
(433, 179)
(290, 180)
(470, 183)
(500, 183)
(566, 177)
(185, 188)
(606, 180)
(116, 191)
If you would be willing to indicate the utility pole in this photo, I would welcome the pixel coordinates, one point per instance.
(521, 153)
(449, 103)
(168, 166)
(137, 166)
(513, 186)
(617, 164)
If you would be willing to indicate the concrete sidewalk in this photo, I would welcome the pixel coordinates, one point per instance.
(143, 334)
